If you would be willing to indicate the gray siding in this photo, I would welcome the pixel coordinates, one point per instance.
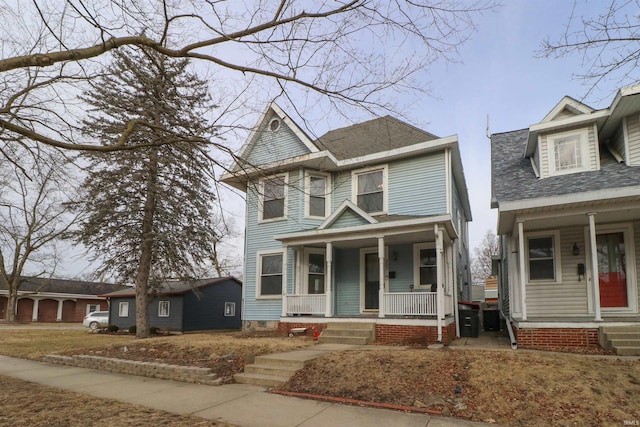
(273, 146)
(633, 132)
(172, 322)
(568, 298)
(122, 322)
(205, 311)
(503, 279)
(636, 243)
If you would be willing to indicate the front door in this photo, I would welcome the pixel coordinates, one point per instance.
(371, 281)
(612, 270)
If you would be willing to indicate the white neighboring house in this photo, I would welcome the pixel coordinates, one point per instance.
(567, 190)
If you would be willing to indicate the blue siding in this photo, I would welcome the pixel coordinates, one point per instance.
(348, 219)
(273, 146)
(347, 281)
(205, 311)
(417, 186)
(401, 263)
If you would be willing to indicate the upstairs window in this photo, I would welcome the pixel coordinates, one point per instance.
(370, 192)
(274, 198)
(568, 152)
(317, 195)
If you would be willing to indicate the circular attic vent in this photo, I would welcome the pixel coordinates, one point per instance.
(274, 125)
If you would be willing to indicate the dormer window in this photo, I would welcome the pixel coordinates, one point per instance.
(568, 152)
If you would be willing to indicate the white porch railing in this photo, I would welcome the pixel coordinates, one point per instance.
(306, 304)
(410, 304)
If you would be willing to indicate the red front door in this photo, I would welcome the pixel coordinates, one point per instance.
(612, 270)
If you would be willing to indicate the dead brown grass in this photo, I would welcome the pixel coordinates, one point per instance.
(504, 387)
(26, 404)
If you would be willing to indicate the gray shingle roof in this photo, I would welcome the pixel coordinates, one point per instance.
(513, 178)
(63, 286)
(373, 136)
(174, 287)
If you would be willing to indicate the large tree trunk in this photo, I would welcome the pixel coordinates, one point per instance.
(146, 249)
(12, 303)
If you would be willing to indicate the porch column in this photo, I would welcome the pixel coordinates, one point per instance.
(439, 291)
(34, 314)
(381, 274)
(285, 267)
(327, 280)
(595, 277)
(59, 313)
(523, 271)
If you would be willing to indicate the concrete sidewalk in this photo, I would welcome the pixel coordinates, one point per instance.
(243, 405)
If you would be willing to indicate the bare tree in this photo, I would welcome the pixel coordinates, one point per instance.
(33, 216)
(608, 43)
(350, 52)
(482, 261)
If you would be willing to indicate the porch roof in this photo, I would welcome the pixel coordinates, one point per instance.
(396, 230)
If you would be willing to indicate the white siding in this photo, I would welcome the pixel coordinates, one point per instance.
(633, 131)
(568, 298)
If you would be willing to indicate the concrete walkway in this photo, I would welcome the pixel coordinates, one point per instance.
(243, 405)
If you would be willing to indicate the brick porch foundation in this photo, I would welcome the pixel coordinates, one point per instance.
(547, 338)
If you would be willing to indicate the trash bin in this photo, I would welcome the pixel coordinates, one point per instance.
(469, 323)
(491, 319)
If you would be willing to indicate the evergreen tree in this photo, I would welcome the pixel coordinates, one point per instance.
(149, 210)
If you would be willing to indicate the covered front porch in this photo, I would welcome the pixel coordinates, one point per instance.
(403, 271)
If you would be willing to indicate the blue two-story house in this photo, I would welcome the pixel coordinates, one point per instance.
(365, 225)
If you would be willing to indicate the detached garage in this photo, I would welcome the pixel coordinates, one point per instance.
(194, 305)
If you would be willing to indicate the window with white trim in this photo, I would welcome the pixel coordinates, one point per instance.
(229, 309)
(370, 189)
(425, 266)
(92, 307)
(123, 309)
(273, 195)
(163, 308)
(317, 201)
(543, 257)
(315, 270)
(269, 283)
(568, 152)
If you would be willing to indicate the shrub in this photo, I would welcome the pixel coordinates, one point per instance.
(154, 330)
(132, 329)
(112, 328)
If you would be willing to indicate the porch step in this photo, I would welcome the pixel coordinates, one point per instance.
(273, 370)
(622, 340)
(356, 333)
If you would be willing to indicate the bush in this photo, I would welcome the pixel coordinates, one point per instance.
(154, 330)
(132, 329)
(112, 328)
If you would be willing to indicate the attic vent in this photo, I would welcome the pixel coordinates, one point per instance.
(274, 125)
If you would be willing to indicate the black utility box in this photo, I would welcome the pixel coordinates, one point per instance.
(469, 323)
(491, 320)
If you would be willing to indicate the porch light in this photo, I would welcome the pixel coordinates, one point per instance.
(576, 249)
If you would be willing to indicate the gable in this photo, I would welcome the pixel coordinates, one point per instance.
(347, 215)
(348, 218)
(566, 108)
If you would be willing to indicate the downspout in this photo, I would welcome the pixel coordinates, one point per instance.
(439, 282)
(512, 336)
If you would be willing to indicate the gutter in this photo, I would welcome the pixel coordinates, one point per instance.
(512, 337)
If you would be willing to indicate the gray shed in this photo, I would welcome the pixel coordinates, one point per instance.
(194, 305)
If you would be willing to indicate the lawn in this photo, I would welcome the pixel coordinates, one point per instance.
(519, 388)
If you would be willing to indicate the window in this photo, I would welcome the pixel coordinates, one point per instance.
(543, 257)
(229, 308)
(92, 307)
(316, 196)
(370, 190)
(274, 125)
(123, 309)
(269, 275)
(425, 266)
(274, 198)
(568, 152)
(163, 309)
(315, 271)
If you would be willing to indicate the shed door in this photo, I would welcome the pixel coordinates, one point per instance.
(612, 270)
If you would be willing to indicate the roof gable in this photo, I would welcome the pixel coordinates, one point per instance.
(265, 145)
(373, 136)
(347, 215)
(567, 107)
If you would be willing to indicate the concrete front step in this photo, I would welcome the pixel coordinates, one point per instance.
(622, 340)
(628, 351)
(625, 343)
(331, 339)
(608, 329)
(351, 325)
(623, 335)
(260, 379)
(350, 333)
(273, 370)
